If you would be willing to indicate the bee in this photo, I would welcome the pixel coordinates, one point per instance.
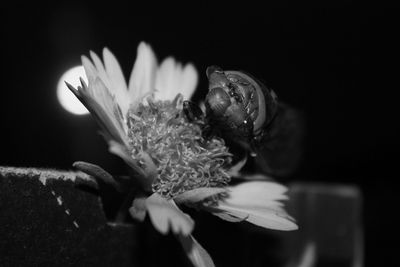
(247, 114)
(239, 106)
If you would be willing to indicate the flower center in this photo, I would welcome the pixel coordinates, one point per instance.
(183, 158)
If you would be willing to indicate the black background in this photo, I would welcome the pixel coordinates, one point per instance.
(339, 65)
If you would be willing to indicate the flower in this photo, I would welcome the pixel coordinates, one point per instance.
(144, 124)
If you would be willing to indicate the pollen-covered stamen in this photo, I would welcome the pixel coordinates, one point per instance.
(184, 159)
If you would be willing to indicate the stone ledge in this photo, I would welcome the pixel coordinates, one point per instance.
(44, 174)
(47, 220)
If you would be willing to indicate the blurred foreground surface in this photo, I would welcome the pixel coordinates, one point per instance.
(49, 222)
(56, 218)
(330, 225)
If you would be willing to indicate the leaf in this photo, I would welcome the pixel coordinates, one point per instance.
(198, 194)
(165, 215)
(195, 252)
(97, 172)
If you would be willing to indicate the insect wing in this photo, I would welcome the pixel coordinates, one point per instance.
(279, 152)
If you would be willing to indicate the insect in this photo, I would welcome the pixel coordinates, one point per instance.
(247, 114)
(239, 106)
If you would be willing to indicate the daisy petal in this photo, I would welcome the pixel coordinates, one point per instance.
(256, 193)
(100, 107)
(227, 216)
(198, 194)
(101, 71)
(253, 177)
(90, 69)
(195, 252)
(165, 215)
(173, 79)
(271, 218)
(189, 81)
(167, 80)
(141, 81)
(116, 76)
(258, 203)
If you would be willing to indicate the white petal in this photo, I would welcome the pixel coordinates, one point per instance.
(258, 203)
(142, 79)
(90, 70)
(101, 94)
(101, 71)
(189, 81)
(256, 193)
(101, 105)
(271, 218)
(198, 194)
(195, 252)
(229, 216)
(253, 177)
(168, 80)
(117, 81)
(173, 79)
(165, 215)
(111, 75)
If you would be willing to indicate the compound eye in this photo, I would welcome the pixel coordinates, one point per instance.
(218, 101)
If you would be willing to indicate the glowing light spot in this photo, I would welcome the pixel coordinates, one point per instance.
(67, 99)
